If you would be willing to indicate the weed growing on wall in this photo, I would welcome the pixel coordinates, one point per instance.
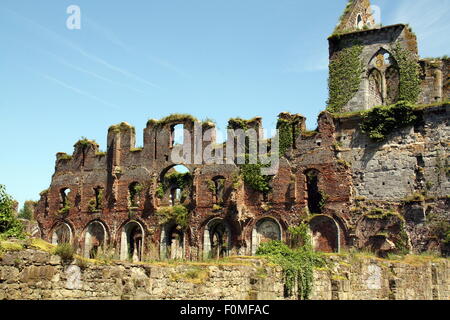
(381, 121)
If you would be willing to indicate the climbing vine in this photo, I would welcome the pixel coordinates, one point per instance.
(380, 121)
(345, 77)
(288, 130)
(409, 74)
(297, 264)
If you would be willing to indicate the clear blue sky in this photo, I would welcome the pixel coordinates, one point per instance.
(134, 60)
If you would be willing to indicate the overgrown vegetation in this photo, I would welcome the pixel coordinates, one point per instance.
(173, 118)
(177, 179)
(66, 251)
(409, 69)
(9, 225)
(297, 263)
(178, 214)
(345, 77)
(251, 174)
(288, 131)
(122, 127)
(381, 121)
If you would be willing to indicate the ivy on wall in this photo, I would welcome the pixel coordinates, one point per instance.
(345, 77)
(251, 174)
(297, 263)
(381, 121)
(288, 130)
(409, 74)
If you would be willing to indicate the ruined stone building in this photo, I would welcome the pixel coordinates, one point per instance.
(356, 186)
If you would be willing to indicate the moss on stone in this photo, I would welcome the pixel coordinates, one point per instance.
(173, 118)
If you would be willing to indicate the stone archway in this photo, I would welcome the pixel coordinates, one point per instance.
(265, 230)
(132, 242)
(172, 242)
(62, 233)
(325, 234)
(216, 239)
(94, 239)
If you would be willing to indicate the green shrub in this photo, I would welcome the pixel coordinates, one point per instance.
(381, 121)
(178, 214)
(9, 225)
(297, 264)
(65, 250)
(251, 174)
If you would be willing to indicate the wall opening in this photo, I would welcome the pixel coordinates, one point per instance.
(62, 233)
(314, 197)
(325, 234)
(94, 239)
(134, 194)
(172, 242)
(216, 239)
(177, 135)
(265, 230)
(64, 197)
(132, 242)
(219, 188)
(98, 198)
(176, 183)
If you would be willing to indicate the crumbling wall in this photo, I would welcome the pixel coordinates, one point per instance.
(36, 275)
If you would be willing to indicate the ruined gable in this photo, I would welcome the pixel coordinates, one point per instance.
(357, 16)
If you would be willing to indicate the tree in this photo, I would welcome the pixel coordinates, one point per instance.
(9, 225)
(27, 211)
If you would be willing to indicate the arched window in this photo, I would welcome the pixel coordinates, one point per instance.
(325, 234)
(384, 79)
(216, 239)
(175, 185)
(132, 242)
(94, 239)
(172, 242)
(266, 229)
(62, 233)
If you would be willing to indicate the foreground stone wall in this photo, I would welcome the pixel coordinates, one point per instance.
(32, 274)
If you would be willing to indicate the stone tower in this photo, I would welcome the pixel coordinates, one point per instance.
(366, 62)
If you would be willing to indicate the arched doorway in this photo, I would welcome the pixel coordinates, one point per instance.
(266, 229)
(132, 242)
(216, 239)
(325, 234)
(94, 239)
(172, 242)
(62, 233)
